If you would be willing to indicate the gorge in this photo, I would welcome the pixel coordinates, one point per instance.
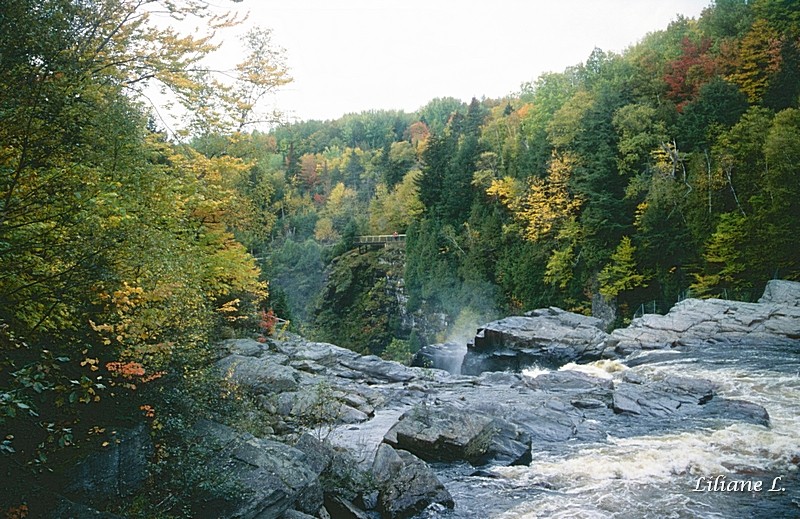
(710, 390)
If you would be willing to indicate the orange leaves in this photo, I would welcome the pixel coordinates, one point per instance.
(132, 371)
(267, 321)
(126, 370)
(17, 512)
(148, 410)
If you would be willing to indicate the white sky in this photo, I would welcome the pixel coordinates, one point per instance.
(354, 55)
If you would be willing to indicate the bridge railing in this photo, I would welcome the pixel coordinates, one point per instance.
(379, 238)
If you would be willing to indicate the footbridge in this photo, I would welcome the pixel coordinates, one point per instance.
(380, 240)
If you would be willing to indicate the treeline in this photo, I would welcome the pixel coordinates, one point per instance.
(666, 171)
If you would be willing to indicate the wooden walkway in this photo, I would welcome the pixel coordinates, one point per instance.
(380, 239)
(365, 243)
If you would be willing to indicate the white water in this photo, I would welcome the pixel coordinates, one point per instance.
(654, 475)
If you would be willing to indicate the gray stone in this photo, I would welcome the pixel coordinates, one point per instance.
(776, 315)
(274, 476)
(626, 402)
(740, 410)
(244, 347)
(779, 291)
(476, 434)
(406, 484)
(117, 470)
(549, 336)
(318, 454)
(569, 380)
(261, 374)
(341, 508)
(441, 433)
(294, 514)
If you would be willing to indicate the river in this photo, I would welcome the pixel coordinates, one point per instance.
(657, 474)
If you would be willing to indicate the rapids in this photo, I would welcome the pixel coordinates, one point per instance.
(653, 473)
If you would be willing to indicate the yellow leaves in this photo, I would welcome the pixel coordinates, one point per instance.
(545, 203)
(324, 231)
(92, 363)
(641, 209)
(506, 189)
(230, 306)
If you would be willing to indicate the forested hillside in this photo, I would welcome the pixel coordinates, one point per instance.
(646, 176)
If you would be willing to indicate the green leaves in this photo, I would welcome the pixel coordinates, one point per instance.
(620, 274)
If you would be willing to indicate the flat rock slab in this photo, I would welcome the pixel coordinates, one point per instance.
(776, 315)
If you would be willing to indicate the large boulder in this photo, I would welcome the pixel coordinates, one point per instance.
(548, 337)
(779, 291)
(406, 484)
(449, 433)
(273, 477)
(775, 316)
(264, 374)
(117, 470)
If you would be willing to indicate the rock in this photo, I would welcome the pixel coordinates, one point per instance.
(318, 454)
(569, 380)
(698, 390)
(441, 433)
(740, 410)
(550, 422)
(382, 370)
(261, 374)
(549, 337)
(447, 433)
(662, 398)
(406, 484)
(294, 514)
(448, 356)
(341, 508)
(588, 403)
(782, 292)
(115, 471)
(776, 315)
(508, 445)
(274, 476)
(244, 347)
(626, 402)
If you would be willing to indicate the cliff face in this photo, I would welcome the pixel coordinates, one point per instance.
(362, 304)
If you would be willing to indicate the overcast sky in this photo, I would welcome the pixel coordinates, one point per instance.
(354, 55)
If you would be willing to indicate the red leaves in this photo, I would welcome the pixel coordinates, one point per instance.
(267, 321)
(688, 73)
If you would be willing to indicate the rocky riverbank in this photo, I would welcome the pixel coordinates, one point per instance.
(356, 436)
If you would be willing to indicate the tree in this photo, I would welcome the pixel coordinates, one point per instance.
(118, 257)
(394, 211)
(759, 58)
(620, 274)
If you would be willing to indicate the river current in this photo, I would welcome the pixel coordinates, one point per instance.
(684, 473)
